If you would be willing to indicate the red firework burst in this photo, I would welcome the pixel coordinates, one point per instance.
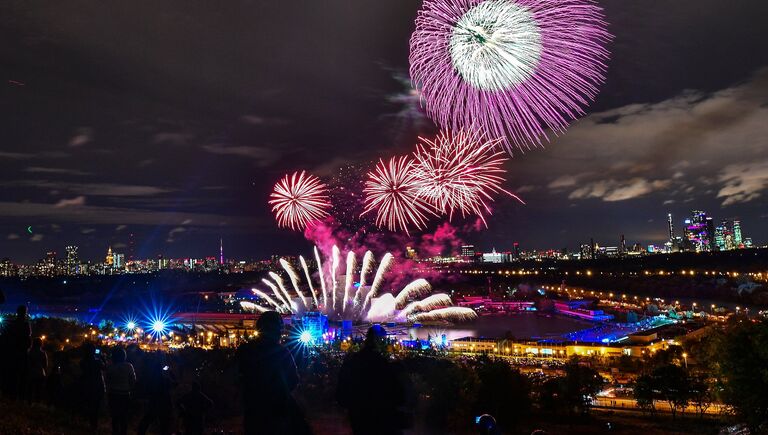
(459, 172)
(298, 200)
(393, 191)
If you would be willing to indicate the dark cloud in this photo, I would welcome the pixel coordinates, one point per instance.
(62, 171)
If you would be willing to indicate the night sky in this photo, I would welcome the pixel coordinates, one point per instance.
(172, 120)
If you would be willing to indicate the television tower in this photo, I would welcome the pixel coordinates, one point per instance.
(221, 251)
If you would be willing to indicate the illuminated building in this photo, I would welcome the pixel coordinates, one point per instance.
(494, 257)
(72, 260)
(670, 228)
(737, 239)
(7, 269)
(118, 261)
(468, 252)
(110, 258)
(699, 232)
(410, 253)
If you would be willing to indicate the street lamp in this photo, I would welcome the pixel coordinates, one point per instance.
(685, 358)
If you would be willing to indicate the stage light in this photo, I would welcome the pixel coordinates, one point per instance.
(305, 337)
(158, 326)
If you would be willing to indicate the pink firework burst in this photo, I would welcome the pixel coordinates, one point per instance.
(393, 191)
(298, 200)
(460, 172)
(512, 67)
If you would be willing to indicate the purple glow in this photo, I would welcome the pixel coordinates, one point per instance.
(511, 68)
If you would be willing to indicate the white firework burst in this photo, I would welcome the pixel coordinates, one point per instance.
(496, 45)
(368, 303)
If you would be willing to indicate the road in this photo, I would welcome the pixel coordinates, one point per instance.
(626, 403)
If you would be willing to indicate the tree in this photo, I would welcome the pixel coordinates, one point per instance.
(580, 385)
(503, 391)
(674, 386)
(701, 393)
(742, 363)
(644, 394)
(550, 395)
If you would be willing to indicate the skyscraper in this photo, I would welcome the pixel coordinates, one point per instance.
(710, 234)
(670, 227)
(110, 258)
(622, 246)
(72, 261)
(699, 232)
(737, 239)
(721, 232)
(221, 251)
(119, 261)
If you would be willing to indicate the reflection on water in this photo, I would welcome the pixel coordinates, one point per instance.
(519, 325)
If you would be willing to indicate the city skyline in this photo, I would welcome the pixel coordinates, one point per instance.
(677, 241)
(181, 150)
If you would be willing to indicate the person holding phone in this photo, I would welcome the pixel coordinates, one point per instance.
(92, 387)
(121, 380)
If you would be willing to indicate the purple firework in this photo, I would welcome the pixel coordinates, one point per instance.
(511, 68)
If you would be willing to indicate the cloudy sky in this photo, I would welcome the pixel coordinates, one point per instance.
(171, 120)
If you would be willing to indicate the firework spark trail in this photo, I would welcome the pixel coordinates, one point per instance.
(309, 279)
(294, 277)
(298, 200)
(513, 67)
(266, 297)
(367, 267)
(334, 270)
(364, 271)
(392, 191)
(350, 270)
(277, 293)
(378, 279)
(459, 171)
(415, 289)
(427, 304)
(250, 306)
(451, 314)
(281, 285)
(322, 277)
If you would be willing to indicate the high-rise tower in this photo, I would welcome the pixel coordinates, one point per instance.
(221, 251)
(670, 227)
(72, 260)
(737, 238)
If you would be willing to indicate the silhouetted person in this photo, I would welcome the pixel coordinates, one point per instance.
(159, 384)
(194, 405)
(54, 385)
(17, 338)
(373, 389)
(269, 375)
(37, 370)
(92, 387)
(121, 378)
